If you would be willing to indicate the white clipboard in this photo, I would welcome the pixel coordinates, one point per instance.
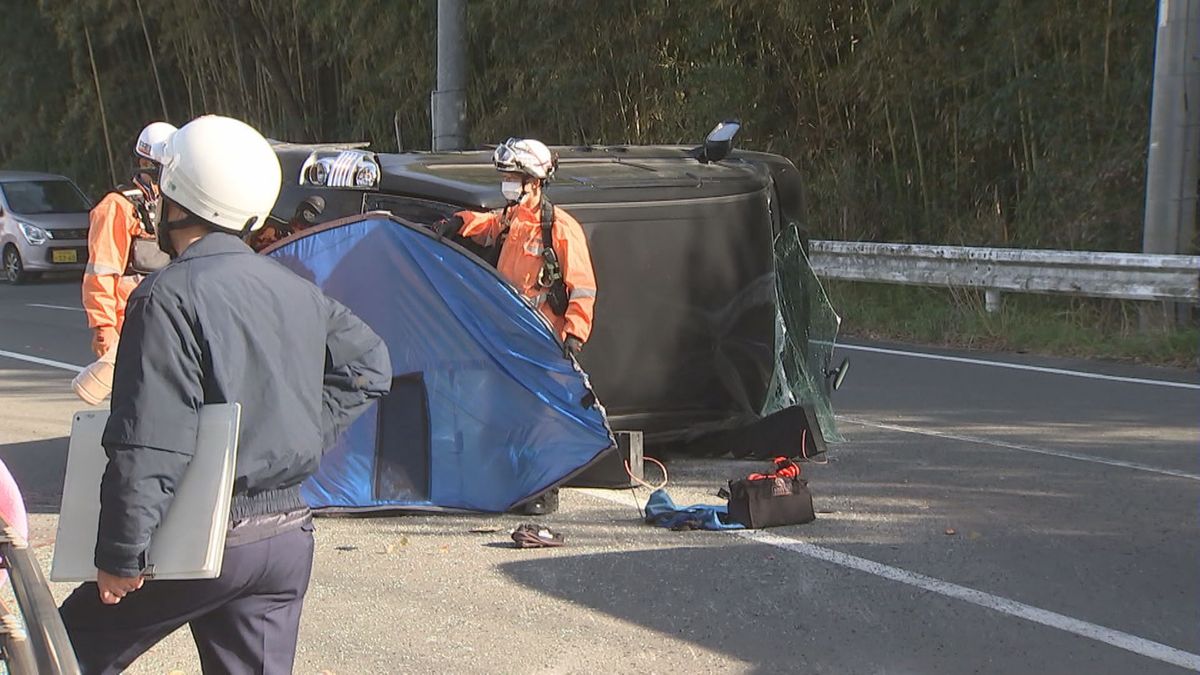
(190, 541)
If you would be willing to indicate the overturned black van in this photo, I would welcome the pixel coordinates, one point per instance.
(708, 317)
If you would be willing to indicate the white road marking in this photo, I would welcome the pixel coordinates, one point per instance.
(40, 361)
(1108, 636)
(69, 309)
(1021, 366)
(1020, 610)
(1065, 454)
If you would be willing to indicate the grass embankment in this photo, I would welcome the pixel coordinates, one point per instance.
(1079, 327)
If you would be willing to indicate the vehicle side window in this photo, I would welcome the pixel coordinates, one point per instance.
(423, 212)
(419, 211)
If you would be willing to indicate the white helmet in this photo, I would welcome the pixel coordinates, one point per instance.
(527, 156)
(153, 139)
(222, 171)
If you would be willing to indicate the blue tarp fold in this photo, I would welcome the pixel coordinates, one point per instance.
(505, 414)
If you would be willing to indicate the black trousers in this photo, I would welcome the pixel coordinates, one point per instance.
(244, 621)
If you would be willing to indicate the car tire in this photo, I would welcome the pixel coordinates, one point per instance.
(12, 268)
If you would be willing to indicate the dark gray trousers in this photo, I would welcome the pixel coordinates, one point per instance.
(244, 621)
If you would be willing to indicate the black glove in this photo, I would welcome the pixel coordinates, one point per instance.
(446, 226)
(572, 346)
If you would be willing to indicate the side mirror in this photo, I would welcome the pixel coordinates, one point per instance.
(838, 375)
(719, 142)
(309, 210)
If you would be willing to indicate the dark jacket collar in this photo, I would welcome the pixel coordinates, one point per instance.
(216, 243)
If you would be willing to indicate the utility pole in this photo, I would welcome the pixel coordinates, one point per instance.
(1173, 160)
(153, 65)
(448, 105)
(112, 171)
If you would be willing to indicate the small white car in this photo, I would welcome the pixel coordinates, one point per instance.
(43, 225)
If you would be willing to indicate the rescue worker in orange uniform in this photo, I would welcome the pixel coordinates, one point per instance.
(306, 215)
(115, 224)
(558, 281)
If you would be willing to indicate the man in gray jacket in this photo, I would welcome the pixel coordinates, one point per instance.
(220, 324)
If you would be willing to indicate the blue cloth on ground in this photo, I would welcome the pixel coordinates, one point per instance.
(662, 511)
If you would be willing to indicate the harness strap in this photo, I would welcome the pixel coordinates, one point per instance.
(551, 277)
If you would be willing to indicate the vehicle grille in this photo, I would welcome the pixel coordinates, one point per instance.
(77, 233)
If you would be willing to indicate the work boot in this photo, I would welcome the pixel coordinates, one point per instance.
(543, 504)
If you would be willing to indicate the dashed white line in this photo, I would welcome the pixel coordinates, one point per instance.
(996, 603)
(42, 362)
(63, 307)
(1065, 454)
(1021, 366)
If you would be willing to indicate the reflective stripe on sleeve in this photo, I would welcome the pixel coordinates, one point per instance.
(96, 268)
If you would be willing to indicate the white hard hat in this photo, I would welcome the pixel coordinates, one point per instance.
(222, 171)
(153, 138)
(527, 156)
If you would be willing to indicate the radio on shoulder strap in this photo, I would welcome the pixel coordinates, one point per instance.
(550, 277)
(145, 257)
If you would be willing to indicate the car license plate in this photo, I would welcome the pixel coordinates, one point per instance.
(64, 256)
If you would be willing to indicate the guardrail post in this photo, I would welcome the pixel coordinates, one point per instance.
(992, 300)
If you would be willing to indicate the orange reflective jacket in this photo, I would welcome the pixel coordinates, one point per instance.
(521, 261)
(113, 224)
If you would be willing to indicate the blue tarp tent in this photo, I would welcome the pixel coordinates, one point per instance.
(484, 412)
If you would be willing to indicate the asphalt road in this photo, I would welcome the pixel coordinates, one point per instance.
(1071, 489)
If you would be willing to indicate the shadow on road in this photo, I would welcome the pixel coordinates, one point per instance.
(50, 279)
(39, 468)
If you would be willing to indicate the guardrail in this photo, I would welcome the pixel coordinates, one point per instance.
(1129, 276)
(42, 646)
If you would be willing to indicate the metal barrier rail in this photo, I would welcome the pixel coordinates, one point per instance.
(44, 634)
(14, 643)
(1129, 276)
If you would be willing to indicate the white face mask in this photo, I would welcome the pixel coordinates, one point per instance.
(512, 190)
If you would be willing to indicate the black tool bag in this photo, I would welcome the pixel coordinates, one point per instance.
(145, 257)
(770, 501)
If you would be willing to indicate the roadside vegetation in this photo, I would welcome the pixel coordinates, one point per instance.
(1016, 123)
(1037, 324)
(1002, 122)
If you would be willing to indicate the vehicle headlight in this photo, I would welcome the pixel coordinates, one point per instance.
(341, 169)
(367, 176)
(34, 234)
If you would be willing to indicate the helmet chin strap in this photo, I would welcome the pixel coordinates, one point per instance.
(162, 236)
(163, 229)
(248, 227)
(526, 191)
(513, 201)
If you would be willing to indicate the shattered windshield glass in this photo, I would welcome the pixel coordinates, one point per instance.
(805, 335)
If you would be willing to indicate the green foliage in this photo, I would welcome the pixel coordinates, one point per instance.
(1005, 122)
(1081, 327)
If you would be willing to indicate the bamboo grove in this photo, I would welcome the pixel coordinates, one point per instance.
(1001, 122)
